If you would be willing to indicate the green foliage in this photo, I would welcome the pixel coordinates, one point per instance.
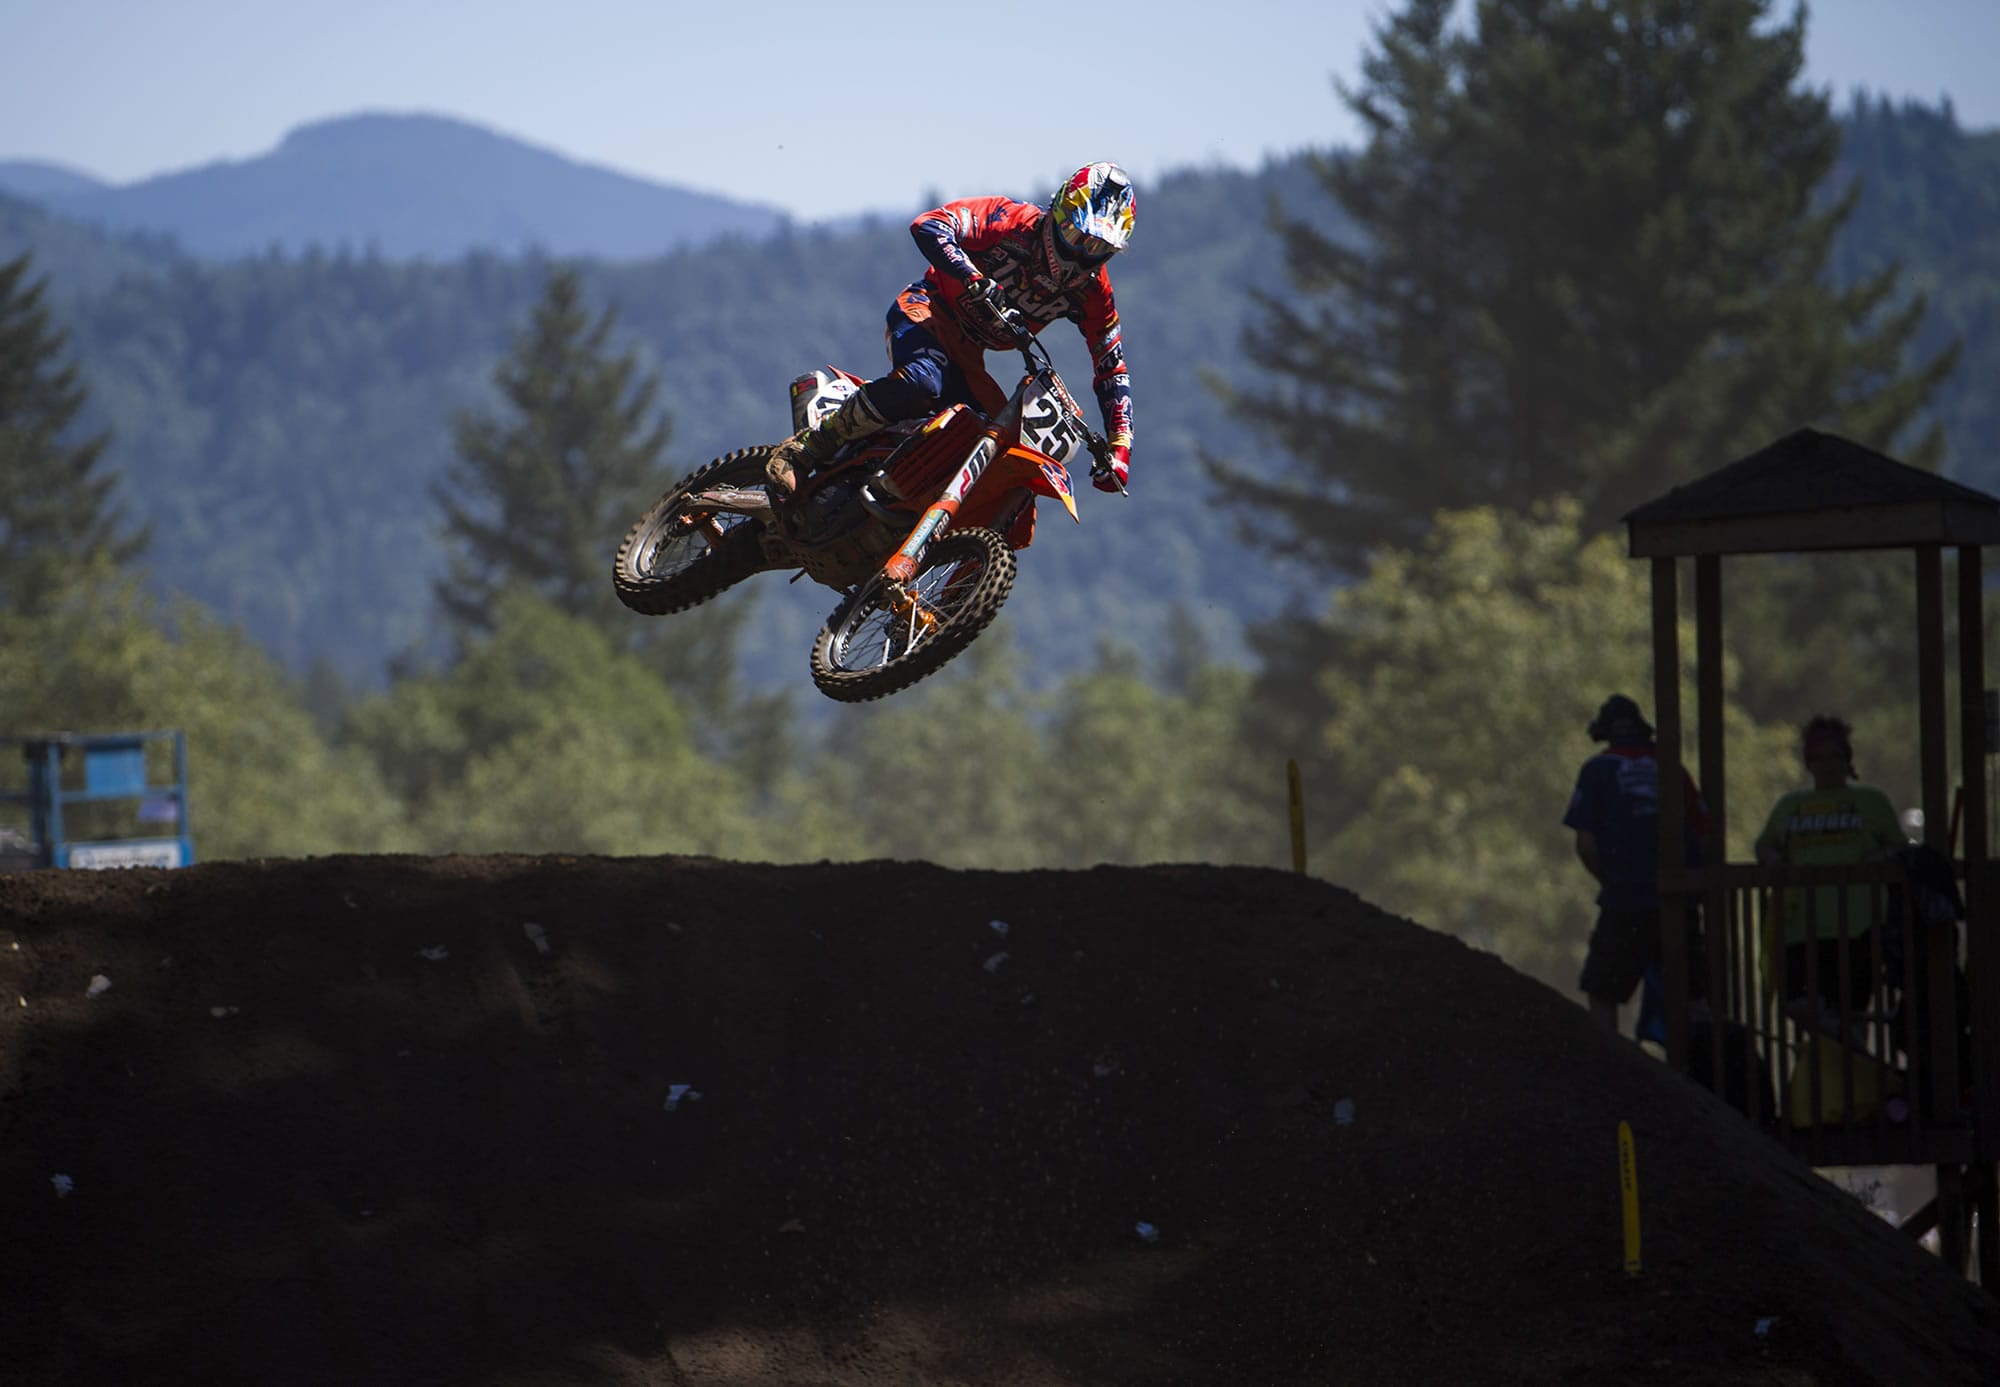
(278, 423)
(262, 782)
(545, 737)
(56, 512)
(534, 494)
(1839, 635)
(971, 770)
(1930, 202)
(537, 496)
(1141, 773)
(1590, 262)
(281, 421)
(1592, 258)
(1546, 273)
(1849, 623)
(1446, 737)
(947, 772)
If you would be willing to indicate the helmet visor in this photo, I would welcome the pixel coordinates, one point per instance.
(1082, 248)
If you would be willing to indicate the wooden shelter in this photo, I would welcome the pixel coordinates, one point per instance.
(1911, 1074)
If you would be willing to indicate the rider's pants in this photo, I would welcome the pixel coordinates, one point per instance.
(932, 363)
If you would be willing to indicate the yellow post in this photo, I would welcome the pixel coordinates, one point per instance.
(1298, 816)
(1628, 1187)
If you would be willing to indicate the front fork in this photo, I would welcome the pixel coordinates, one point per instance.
(901, 566)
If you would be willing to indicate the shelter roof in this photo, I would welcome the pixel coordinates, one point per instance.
(1812, 491)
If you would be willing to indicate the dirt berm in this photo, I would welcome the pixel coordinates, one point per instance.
(679, 1121)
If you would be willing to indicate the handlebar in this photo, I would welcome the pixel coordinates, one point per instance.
(1038, 361)
(1025, 341)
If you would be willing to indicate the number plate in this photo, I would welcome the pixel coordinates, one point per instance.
(1049, 424)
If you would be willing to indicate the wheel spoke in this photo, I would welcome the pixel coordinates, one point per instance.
(685, 550)
(875, 644)
(878, 634)
(673, 553)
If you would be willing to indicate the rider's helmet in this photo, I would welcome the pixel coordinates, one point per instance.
(1090, 217)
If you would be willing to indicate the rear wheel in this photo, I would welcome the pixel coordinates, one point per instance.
(678, 554)
(872, 645)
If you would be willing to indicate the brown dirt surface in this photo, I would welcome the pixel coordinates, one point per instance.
(342, 1121)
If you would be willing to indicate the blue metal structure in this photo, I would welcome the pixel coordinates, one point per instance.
(114, 768)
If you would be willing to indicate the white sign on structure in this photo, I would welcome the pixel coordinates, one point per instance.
(157, 852)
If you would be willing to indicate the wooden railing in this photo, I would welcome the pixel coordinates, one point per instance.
(1848, 1050)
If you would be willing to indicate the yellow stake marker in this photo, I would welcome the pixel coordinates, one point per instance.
(1628, 1187)
(1298, 816)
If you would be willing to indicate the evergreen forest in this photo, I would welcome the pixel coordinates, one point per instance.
(348, 520)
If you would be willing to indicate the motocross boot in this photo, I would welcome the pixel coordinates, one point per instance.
(802, 454)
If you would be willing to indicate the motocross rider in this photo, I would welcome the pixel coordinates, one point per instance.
(991, 257)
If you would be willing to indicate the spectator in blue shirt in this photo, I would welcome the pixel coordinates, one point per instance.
(1615, 812)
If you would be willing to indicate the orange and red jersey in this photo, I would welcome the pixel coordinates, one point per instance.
(1003, 240)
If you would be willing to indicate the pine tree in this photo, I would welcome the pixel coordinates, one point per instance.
(1591, 260)
(539, 499)
(56, 510)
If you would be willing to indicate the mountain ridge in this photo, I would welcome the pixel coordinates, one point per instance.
(405, 185)
(35, 180)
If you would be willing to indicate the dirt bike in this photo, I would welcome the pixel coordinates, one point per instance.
(916, 525)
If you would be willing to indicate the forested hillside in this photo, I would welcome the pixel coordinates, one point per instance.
(1930, 200)
(1435, 402)
(280, 420)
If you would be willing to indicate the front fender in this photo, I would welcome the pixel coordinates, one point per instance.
(1041, 474)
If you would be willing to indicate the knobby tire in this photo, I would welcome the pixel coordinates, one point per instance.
(969, 614)
(709, 570)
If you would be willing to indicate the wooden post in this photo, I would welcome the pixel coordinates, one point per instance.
(1982, 948)
(1628, 1189)
(1941, 1045)
(1986, 1203)
(1708, 689)
(1295, 796)
(1930, 695)
(1667, 705)
(1714, 847)
(1954, 1218)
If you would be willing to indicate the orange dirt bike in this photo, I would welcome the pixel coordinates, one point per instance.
(917, 526)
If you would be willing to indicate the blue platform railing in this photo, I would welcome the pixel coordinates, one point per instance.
(113, 769)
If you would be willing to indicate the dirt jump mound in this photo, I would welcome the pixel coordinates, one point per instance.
(561, 1120)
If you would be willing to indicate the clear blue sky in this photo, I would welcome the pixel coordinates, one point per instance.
(820, 108)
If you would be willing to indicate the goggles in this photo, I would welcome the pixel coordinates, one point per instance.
(1081, 248)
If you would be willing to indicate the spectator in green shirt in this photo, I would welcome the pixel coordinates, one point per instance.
(1838, 822)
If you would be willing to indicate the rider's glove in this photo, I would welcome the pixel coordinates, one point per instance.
(1117, 469)
(984, 310)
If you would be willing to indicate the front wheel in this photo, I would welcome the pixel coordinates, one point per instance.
(680, 554)
(872, 645)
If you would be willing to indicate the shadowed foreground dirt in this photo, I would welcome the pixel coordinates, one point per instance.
(344, 1121)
